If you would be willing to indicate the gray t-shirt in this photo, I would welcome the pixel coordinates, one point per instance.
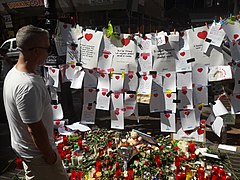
(26, 100)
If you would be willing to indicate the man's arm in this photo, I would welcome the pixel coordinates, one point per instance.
(40, 138)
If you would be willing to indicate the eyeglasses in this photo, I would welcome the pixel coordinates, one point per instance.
(49, 49)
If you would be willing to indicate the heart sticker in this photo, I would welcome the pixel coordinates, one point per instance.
(235, 36)
(53, 70)
(73, 66)
(200, 70)
(131, 95)
(117, 77)
(169, 95)
(88, 36)
(57, 122)
(145, 78)
(116, 96)
(202, 35)
(168, 75)
(64, 26)
(154, 75)
(182, 53)
(155, 95)
(238, 96)
(103, 75)
(104, 93)
(199, 88)
(130, 76)
(200, 131)
(125, 41)
(105, 56)
(55, 107)
(167, 115)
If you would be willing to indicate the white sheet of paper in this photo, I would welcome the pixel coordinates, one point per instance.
(188, 120)
(216, 34)
(157, 103)
(117, 81)
(169, 105)
(70, 70)
(103, 101)
(88, 114)
(78, 126)
(89, 95)
(57, 112)
(77, 79)
(211, 118)
(183, 65)
(89, 48)
(117, 100)
(185, 97)
(227, 147)
(131, 81)
(168, 122)
(124, 57)
(232, 30)
(169, 82)
(145, 61)
(117, 119)
(90, 78)
(129, 104)
(218, 73)
(54, 73)
(200, 95)
(157, 78)
(199, 75)
(217, 126)
(58, 123)
(63, 131)
(184, 80)
(145, 84)
(218, 108)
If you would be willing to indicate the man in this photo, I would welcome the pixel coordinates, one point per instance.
(28, 108)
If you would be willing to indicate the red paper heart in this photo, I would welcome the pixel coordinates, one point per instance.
(88, 36)
(184, 92)
(167, 115)
(103, 75)
(168, 75)
(200, 70)
(90, 90)
(131, 95)
(104, 93)
(199, 88)
(53, 70)
(123, 109)
(55, 107)
(238, 96)
(202, 35)
(116, 96)
(90, 71)
(238, 65)
(155, 95)
(117, 77)
(57, 122)
(235, 36)
(200, 131)
(130, 76)
(125, 41)
(64, 26)
(182, 53)
(238, 42)
(105, 56)
(154, 75)
(168, 95)
(181, 33)
(117, 112)
(145, 57)
(145, 78)
(186, 113)
(73, 66)
(89, 107)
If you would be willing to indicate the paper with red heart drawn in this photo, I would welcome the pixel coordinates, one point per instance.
(169, 81)
(89, 48)
(117, 100)
(219, 73)
(183, 65)
(57, 112)
(103, 101)
(195, 39)
(117, 81)
(192, 136)
(145, 61)
(184, 80)
(103, 82)
(217, 126)
(90, 78)
(89, 95)
(235, 100)
(200, 95)
(72, 55)
(130, 104)
(117, 118)
(77, 79)
(168, 122)
(88, 114)
(216, 34)
(232, 30)
(186, 99)
(157, 100)
(124, 57)
(59, 123)
(145, 84)
(184, 54)
(66, 34)
(199, 75)
(131, 81)
(54, 74)
(169, 104)
(188, 120)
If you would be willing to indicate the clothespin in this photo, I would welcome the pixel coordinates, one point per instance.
(192, 28)
(174, 31)
(214, 21)
(206, 24)
(95, 29)
(156, 32)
